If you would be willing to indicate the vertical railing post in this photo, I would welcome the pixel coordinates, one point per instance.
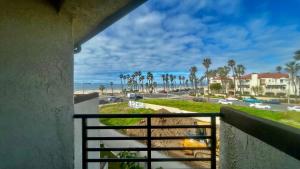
(213, 143)
(149, 142)
(84, 143)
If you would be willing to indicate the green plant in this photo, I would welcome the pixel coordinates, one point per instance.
(129, 165)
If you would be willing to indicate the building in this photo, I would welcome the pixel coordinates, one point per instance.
(269, 84)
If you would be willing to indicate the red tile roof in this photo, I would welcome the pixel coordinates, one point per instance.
(268, 75)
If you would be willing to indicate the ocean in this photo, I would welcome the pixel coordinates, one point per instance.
(93, 82)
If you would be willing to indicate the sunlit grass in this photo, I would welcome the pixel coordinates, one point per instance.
(290, 118)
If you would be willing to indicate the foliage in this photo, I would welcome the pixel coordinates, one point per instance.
(270, 94)
(129, 165)
(258, 90)
(215, 87)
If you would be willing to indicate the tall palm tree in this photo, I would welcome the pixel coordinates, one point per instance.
(193, 71)
(112, 89)
(206, 63)
(278, 69)
(172, 81)
(124, 79)
(163, 77)
(223, 72)
(179, 78)
(138, 75)
(297, 55)
(101, 88)
(231, 64)
(141, 79)
(121, 78)
(240, 71)
(292, 68)
(183, 80)
(167, 81)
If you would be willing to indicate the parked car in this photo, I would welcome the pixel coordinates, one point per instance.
(134, 96)
(260, 106)
(272, 101)
(224, 101)
(294, 108)
(114, 99)
(251, 100)
(232, 99)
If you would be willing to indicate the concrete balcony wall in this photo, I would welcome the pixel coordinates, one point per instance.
(36, 86)
(264, 149)
(85, 104)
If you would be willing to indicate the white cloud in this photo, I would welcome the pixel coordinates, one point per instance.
(174, 39)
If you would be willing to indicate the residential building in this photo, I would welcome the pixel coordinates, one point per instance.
(270, 84)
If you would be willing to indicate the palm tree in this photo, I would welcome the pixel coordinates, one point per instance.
(231, 64)
(124, 79)
(292, 68)
(101, 88)
(193, 71)
(240, 71)
(172, 79)
(297, 55)
(223, 74)
(179, 78)
(150, 81)
(206, 63)
(142, 82)
(121, 77)
(167, 81)
(112, 89)
(163, 76)
(183, 80)
(278, 69)
(138, 75)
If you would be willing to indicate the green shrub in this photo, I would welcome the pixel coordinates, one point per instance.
(129, 165)
(270, 94)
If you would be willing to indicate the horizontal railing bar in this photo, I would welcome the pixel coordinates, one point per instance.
(181, 126)
(180, 137)
(116, 127)
(160, 115)
(179, 148)
(145, 149)
(144, 127)
(118, 160)
(145, 159)
(179, 159)
(152, 138)
(116, 138)
(118, 149)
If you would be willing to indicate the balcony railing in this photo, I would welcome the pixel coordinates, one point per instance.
(148, 139)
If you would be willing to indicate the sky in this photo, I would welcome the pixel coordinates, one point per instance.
(173, 35)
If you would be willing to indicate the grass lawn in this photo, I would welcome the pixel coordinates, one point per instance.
(122, 108)
(186, 105)
(289, 117)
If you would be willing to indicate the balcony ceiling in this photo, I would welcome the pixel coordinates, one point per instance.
(92, 16)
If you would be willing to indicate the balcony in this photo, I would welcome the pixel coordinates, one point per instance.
(245, 141)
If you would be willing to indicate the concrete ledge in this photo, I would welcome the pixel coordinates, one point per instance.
(280, 136)
(84, 97)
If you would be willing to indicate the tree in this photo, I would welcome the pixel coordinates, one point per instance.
(141, 79)
(223, 72)
(297, 55)
(206, 63)
(231, 64)
(163, 76)
(112, 89)
(216, 87)
(292, 68)
(193, 71)
(121, 78)
(240, 71)
(257, 90)
(101, 88)
(278, 69)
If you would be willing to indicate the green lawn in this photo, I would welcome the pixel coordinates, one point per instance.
(186, 105)
(289, 117)
(122, 108)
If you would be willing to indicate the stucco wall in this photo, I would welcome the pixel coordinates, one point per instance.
(86, 107)
(36, 86)
(242, 151)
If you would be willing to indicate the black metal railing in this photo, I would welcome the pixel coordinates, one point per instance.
(148, 127)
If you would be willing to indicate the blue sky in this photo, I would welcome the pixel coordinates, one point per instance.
(173, 35)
